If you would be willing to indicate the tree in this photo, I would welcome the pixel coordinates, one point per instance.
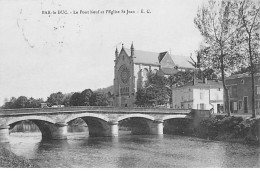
(181, 78)
(21, 102)
(66, 99)
(34, 103)
(76, 99)
(141, 98)
(55, 99)
(10, 104)
(98, 99)
(86, 94)
(249, 14)
(219, 27)
(155, 92)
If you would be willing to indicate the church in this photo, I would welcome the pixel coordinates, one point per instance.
(131, 69)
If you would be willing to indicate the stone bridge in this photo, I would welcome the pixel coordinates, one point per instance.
(101, 121)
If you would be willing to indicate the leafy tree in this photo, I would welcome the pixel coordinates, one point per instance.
(209, 73)
(76, 99)
(249, 15)
(98, 99)
(86, 94)
(34, 103)
(66, 99)
(219, 27)
(157, 89)
(21, 102)
(242, 70)
(202, 72)
(155, 92)
(55, 99)
(9, 104)
(181, 78)
(141, 98)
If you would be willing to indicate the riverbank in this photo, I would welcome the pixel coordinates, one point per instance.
(232, 129)
(9, 160)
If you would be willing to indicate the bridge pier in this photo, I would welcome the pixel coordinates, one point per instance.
(60, 131)
(113, 128)
(4, 133)
(157, 128)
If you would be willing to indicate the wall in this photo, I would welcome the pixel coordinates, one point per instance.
(198, 116)
(182, 98)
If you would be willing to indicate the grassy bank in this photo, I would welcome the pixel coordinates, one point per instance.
(10, 160)
(234, 129)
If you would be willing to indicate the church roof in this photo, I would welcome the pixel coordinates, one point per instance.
(144, 57)
(153, 58)
(181, 61)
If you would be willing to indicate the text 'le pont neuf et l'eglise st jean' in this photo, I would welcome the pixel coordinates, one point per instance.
(111, 12)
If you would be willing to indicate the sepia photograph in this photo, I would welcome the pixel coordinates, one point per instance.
(129, 84)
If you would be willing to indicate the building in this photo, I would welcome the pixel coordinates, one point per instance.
(240, 93)
(198, 94)
(131, 69)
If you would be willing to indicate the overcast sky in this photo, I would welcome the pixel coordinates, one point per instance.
(41, 54)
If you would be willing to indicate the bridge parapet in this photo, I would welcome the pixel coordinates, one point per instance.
(93, 109)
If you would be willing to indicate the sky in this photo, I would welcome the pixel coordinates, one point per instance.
(44, 53)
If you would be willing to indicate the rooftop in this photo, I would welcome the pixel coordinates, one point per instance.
(155, 58)
(201, 84)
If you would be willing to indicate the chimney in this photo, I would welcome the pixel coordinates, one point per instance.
(205, 80)
(194, 77)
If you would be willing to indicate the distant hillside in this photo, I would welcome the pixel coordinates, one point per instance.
(105, 90)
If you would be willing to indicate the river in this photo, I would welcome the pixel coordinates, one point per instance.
(127, 151)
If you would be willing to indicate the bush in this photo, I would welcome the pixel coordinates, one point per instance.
(229, 128)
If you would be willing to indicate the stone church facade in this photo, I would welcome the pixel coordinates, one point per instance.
(131, 69)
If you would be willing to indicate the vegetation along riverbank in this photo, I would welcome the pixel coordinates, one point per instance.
(9, 160)
(230, 128)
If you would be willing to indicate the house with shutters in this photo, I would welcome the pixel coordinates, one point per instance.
(240, 92)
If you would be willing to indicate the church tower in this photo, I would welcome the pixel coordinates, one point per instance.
(124, 95)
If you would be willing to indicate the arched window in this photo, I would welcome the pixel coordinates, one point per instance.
(145, 72)
(155, 71)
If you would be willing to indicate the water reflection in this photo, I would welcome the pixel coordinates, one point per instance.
(239, 155)
(132, 151)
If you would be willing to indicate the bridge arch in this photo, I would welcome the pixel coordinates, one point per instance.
(137, 123)
(45, 124)
(177, 124)
(82, 115)
(135, 116)
(22, 118)
(98, 124)
(179, 116)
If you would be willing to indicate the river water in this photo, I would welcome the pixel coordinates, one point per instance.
(141, 151)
